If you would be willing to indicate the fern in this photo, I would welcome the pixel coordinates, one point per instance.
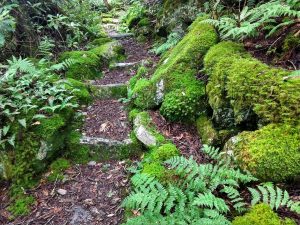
(273, 196)
(248, 22)
(172, 41)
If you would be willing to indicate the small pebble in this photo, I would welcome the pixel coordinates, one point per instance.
(62, 191)
(92, 163)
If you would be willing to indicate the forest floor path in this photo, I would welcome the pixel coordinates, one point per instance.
(91, 194)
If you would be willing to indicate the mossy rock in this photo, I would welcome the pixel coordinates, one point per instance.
(245, 91)
(270, 153)
(208, 134)
(86, 66)
(80, 90)
(146, 132)
(261, 214)
(177, 70)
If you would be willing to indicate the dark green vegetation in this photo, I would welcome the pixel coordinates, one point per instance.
(228, 67)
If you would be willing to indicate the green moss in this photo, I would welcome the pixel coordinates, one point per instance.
(261, 214)
(164, 152)
(271, 153)
(133, 114)
(183, 104)
(291, 42)
(207, 132)
(86, 65)
(144, 94)
(177, 70)
(21, 206)
(154, 169)
(78, 153)
(48, 126)
(141, 72)
(241, 88)
(57, 168)
(80, 90)
(100, 41)
(144, 22)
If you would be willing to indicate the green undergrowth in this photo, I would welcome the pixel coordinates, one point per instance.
(174, 84)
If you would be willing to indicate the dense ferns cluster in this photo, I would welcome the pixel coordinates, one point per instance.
(199, 194)
(248, 22)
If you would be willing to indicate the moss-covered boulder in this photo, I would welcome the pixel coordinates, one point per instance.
(85, 65)
(176, 74)
(243, 90)
(261, 214)
(271, 153)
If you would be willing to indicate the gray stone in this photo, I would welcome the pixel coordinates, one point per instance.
(145, 136)
(92, 163)
(62, 191)
(120, 36)
(80, 216)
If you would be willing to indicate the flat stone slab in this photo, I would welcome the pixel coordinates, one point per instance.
(109, 91)
(103, 141)
(120, 36)
(122, 65)
(107, 149)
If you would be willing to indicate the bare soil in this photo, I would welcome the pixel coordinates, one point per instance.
(106, 119)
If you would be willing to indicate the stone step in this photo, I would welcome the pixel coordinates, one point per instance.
(124, 65)
(110, 21)
(109, 149)
(109, 91)
(120, 36)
